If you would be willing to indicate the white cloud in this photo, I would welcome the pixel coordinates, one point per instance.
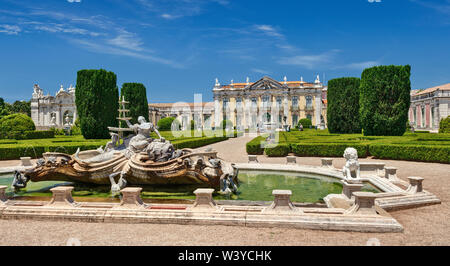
(362, 65)
(168, 16)
(309, 61)
(61, 28)
(269, 30)
(260, 71)
(74, 1)
(10, 29)
(127, 40)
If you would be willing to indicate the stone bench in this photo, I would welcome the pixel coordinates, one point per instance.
(377, 168)
(26, 161)
(62, 197)
(415, 185)
(327, 162)
(364, 204)
(282, 202)
(291, 160)
(253, 159)
(3, 198)
(131, 198)
(204, 200)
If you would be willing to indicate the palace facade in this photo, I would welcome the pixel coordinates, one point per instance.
(429, 106)
(53, 111)
(267, 101)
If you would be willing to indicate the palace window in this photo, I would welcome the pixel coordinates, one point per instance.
(254, 102)
(308, 101)
(238, 102)
(294, 101)
(278, 101)
(294, 120)
(225, 103)
(309, 117)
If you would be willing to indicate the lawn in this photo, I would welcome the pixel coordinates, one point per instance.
(14, 149)
(426, 147)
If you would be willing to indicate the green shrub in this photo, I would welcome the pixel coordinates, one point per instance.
(253, 147)
(136, 95)
(226, 124)
(444, 125)
(12, 126)
(196, 142)
(328, 149)
(343, 105)
(165, 124)
(13, 151)
(44, 134)
(423, 153)
(96, 99)
(305, 122)
(385, 100)
(277, 150)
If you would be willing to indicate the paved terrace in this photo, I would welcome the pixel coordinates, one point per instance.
(427, 225)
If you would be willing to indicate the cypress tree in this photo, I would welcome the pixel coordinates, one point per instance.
(385, 100)
(343, 105)
(96, 98)
(136, 94)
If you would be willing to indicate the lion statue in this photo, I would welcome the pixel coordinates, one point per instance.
(351, 167)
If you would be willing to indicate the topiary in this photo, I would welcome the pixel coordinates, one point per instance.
(444, 125)
(15, 125)
(165, 124)
(305, 122)
(136, 95)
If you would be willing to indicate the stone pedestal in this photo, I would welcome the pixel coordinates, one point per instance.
(327, 162)
(349, 188)
(204, 200)
(131, 198)
(282, 202)
(390, 173)
(364, 204)
(291, 160)
(3, 198)
(26, 161)
(62, 197)
(253, 159)
(415, 185)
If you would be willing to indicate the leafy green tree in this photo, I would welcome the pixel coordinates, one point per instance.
(444, 125)
(15, 125)
(96, 98)
(384, 100)
(5, 108)
(305, 122)
(165, 124)
(343, 105)
(136, 94)
(21, 107)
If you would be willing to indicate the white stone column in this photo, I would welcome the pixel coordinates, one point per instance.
(318, 108)
(217, 113)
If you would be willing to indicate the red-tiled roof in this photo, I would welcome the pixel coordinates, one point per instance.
(444, 87)
(169, 105)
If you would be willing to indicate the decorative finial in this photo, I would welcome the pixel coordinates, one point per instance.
(301, 79)
(317, 79)
(285, 80)
(232, 82)
(248, 80)
(217, 83)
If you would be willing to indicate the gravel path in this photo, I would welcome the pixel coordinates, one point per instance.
(428, 225)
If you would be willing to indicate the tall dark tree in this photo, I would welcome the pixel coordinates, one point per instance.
(343, 105)
(4, 108)
(385, 100)
(96, 98)
(23, 107)
(136, 94)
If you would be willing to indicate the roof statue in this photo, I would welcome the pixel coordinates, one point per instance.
(317, 79)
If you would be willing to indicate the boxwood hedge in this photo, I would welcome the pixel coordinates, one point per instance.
(328, 149)
(253, 147)
(426, 153)
(278, 150)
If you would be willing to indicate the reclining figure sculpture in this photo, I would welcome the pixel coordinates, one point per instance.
(139, 160)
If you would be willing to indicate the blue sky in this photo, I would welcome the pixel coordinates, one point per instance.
(178, 47)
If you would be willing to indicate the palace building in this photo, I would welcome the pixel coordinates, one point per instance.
(429, 106)
(53, 111)
(267, 101)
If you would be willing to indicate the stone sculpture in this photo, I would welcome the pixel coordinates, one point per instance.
(351, 168)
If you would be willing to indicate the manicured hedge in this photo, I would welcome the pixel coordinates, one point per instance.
(196, 142)
(253, 147)
(13, 126)
(277, 150)
(444, 125)
(12, 152)
(45, 134)
(424, 153)
(385, 100)
(343, 105)
(136, 95)
(328, 149)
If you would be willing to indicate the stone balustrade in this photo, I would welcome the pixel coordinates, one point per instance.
(415, 185)
(253, 159)
(204, 200)
(364, 204)
(131, 198)
(282, 202)
(377, 168)
(62, 197)
(3, 198)
(349, 188)
(327, 162)
(291, 160)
